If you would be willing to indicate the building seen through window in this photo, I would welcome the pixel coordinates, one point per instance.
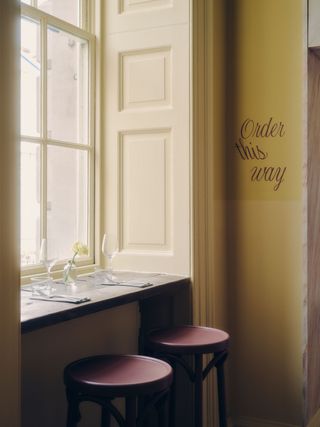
(56, 134)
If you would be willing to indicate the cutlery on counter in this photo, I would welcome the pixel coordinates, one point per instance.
(128, 284)
(42, 295)
(61, 298)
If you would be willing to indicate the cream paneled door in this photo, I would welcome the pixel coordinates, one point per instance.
(147, 133)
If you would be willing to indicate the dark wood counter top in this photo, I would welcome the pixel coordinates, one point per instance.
(36, 314)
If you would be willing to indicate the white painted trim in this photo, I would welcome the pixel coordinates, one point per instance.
(257, 422)
(95, 23)
(43, 125)
(66, 26)
(44, 20)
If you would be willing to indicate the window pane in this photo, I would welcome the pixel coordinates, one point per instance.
(67, 211)
(68, 10)
(26, 1)
(30, 77)
(67, 87)
(30, 202)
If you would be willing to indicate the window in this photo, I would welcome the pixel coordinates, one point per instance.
(57, 147)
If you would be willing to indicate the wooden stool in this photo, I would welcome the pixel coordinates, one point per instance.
(171, 344)
(102, 378)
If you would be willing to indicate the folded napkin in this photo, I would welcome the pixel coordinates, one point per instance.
(61, 298)
(129, 283)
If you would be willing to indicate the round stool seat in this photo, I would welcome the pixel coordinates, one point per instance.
(189, 340)
(118, 375)
(194, 341)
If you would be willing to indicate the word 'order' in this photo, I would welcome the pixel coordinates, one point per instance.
(268, 129)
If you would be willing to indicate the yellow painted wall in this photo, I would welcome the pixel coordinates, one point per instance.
(264, 260)
(263, 42)
(9, 220)
(249, 261)
(45, 353)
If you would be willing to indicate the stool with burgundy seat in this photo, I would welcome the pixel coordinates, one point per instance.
(174, 343)
(103, 378)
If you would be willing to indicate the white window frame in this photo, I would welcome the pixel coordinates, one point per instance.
(86, 22)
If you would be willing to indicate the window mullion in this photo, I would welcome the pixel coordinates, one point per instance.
(92, 138)
(44, 127)
(82, 172)
(82, 16)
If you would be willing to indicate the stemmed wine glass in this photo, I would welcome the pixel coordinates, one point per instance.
(47, 257)
(109, 250)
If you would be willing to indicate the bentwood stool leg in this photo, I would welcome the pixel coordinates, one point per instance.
(172, 398)
(73, 414)
(131, 412)
(161, 407)
(161, 416)
(198, 390)
(221, 395)
(105, 417)
(141, 406)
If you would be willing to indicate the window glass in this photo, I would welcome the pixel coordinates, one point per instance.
(56, 149)
(30, 77)
(68, 10)
(67, 87)
(30, 202)
(67, 205)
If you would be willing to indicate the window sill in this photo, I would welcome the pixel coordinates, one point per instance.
(39, 314)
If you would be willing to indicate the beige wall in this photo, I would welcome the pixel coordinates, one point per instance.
(249, 235)
(46, 352)
(264, 259)
(9, 222)
(261, 302)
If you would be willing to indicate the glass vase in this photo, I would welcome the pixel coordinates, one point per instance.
(69, 273)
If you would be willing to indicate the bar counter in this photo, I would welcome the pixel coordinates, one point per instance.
(36, 314)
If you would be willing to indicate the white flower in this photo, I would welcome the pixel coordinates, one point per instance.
(80, 248)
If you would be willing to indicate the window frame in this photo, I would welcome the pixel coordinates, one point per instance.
(85, 32)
